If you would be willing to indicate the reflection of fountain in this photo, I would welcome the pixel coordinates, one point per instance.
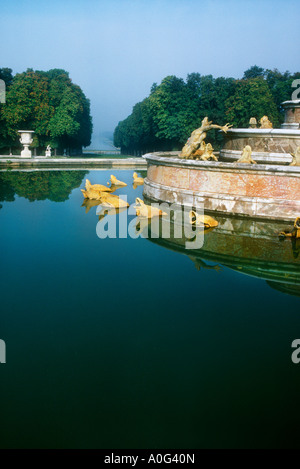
(247, 246)
(266, 190)
(26, 140)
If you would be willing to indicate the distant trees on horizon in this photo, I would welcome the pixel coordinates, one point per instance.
(48, 103)
(165, 119)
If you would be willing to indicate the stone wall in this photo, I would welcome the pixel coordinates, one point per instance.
(257, 191)
(269, 146)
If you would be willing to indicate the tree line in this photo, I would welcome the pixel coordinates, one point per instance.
(165, 119)
(48, 103)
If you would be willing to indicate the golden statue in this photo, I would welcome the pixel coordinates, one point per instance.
(296, 231)
(253, 123)
(116, 182)
(246, 156)
(137, 181)
(296, 158)
(103, 197)
(202, 220)
(265, 123)
(208, 153)
(92, 194)
(146, 211)
(97, 187)
(198, 136)
(201, 150)
(94, 191)
(110, 200)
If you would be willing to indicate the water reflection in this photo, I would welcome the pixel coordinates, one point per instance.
(89, 203)
(104, 211)
(39, 185)
(249, 247)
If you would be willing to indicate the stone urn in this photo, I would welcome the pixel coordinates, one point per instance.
(26, 140)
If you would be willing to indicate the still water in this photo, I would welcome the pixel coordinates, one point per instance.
(136, 343)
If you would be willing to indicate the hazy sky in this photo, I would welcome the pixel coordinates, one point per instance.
(116, 49)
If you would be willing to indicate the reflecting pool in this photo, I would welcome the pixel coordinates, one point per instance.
(136, 342)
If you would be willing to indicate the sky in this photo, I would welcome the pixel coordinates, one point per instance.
(116, 49)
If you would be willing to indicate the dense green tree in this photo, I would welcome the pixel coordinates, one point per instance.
(252, 98)
(165, 119)
(254, 72)
(281, 87)
(174, 111)
(211, 95)
(51, 105)
(5, 139)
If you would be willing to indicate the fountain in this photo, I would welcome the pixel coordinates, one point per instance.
(270, 146)
(267, 190)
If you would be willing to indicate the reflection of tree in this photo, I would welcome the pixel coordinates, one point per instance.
(40, 185)
(7, 194)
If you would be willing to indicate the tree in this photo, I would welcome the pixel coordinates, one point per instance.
(166, 118)
(51, 105)
(281, 88)
(210, 95)
(5, 140)
(174, 111)
(7, 76)
(253, 72)
(252, 98)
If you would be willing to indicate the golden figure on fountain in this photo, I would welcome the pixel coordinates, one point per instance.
(198, 136)
(296, 158)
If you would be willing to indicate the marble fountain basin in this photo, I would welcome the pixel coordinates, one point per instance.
(262, 191)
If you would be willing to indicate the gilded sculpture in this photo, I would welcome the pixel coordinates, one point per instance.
(265, 123)
(104, 198)
(295, 233)
(92, 194)
(97, 187)
(111, 200)
(246, 157)
(116, 182)
(208, 153)
(198, 136)
(253, 123)
(102, 194)
(201, 150)
(296, 158)
(137, 181)
(146, 211)
(204, 221)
